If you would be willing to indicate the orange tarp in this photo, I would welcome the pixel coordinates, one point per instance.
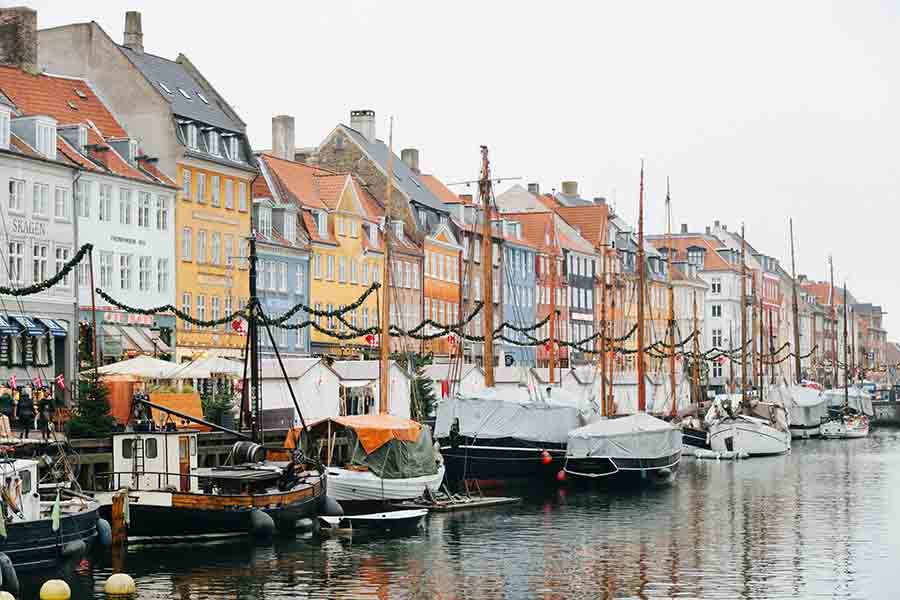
(373, 431)
(188, 404)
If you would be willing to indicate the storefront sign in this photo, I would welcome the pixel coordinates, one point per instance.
(125, 240)
(28, 227)
(127, 318)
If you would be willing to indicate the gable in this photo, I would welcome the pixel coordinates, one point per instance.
(349, 200)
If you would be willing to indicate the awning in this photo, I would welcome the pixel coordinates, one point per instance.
(356, 383)
(55, 328)
(6, 327)
(28, 325)
(136, 339)
(111, 340)
(154, 335)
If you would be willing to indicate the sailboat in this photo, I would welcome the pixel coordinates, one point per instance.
(806, 401)
(851, 418)
(637, 447)
(171, 498)
(493, 434)
(741, 424)
(376, 458)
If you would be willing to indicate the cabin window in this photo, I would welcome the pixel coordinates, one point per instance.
(26, 482)
(193, 446)
(150, 449)
(126, 448)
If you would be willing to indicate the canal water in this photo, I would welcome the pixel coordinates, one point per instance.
(820, 522)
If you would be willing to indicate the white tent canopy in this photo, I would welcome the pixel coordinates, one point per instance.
(143, 366)
(205, 368)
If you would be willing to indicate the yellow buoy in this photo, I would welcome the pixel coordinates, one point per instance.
(119, 584)
(6, 596)
(55, 589)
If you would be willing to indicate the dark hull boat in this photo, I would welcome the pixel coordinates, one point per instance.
(500, 459)
(624, 470)
(696, 439)
(34, 545)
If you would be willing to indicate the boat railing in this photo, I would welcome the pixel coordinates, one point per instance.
(113, 480)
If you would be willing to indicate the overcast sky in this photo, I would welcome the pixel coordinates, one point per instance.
(757, 111)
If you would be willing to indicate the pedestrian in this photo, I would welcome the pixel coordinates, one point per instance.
(25, 412)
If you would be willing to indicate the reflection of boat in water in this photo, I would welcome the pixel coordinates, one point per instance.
(374, 458)
(636, 447)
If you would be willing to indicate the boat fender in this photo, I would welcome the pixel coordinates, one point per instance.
(261, 524)
(119, 584)
(73, 548)
(331, 507)
(8, 577)
(4, 595)
(55, 589)
(104, 533)
(305, 524)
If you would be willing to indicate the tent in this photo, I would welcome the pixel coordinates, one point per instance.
(143, 367)
(207, 368)
(468, 378)
(360, 373)
(315, 385)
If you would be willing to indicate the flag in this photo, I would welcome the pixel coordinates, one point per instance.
(54, 516)
(12, 381)
(61, 381)
(38, 381)
(237, 326)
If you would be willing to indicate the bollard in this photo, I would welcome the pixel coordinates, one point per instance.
(4, 595)
(119, 528)
(119, 584)
(55, 589)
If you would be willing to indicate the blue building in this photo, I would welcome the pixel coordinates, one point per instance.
(519, 305)
(282, 269)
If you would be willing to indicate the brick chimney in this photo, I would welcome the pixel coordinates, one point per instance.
(410, 156)
(363, 121)
(283, 137)
(684, 228)
(18, 38)
(134, 33)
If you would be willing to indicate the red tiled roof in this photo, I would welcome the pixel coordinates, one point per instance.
(441, 191)
(591, 221)
(55, 97)
(297, 181)
(713, 261)
(149, 167)
(535, 227)
(20, 145)
(329, 188)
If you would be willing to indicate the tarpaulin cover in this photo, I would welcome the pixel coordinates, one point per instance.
(857, 398)
(807, 405)
(373, 431)
(492, 416)
(635, 436)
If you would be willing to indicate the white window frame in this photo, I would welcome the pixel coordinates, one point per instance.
(16, 201)
(143, 211)
(125, 269)
(215, 189)
(162, 212)
(242, 196)
(40, 200)
(215, 248)
(187, 244)
(162, 274)
(201, 246)
(229, 193)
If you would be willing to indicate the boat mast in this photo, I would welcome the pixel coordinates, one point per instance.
(487, 271)
(771, 351)
(612, 336)
(834, 360)
(731, 358)
(553, 268)
(385, 350)
(796, 311)
(760, 345)
(642, 393)
(603, 333)
(695, 362)
(846, 381)
(743, 318)
(254, 346)
(671, 256)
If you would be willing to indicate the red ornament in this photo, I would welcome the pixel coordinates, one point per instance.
(546, 458)
(370, 339)
(561, 475)
(237, 326)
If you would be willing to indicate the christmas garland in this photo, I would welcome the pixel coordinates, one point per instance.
(43, 286)
(168, 308)
(323, 313)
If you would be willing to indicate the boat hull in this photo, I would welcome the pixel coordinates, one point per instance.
(620, 470)
(185, 516)
(347, 486)
(750, 436)
(694, 439)
(501, 459)
(34, 545)
(845, 428)
(804, 431)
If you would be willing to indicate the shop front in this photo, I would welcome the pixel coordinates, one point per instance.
(123, 335)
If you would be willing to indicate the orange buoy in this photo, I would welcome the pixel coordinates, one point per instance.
(546, 458)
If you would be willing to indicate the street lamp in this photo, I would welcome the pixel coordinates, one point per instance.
(154, 337)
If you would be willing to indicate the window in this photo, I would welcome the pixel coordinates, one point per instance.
(415, 276)
(106, 269)
(354, 228)
(339, 221)
(242, 196)
(322, 223)
(201, 307)
(4, 129)
(717, 338)
(127, 444)
(212, 142)
(162, 274)
(201, 188)
(190, 135)
(187, 244)
(365, 317)
(716, 285)
(39, 262)
(125, 206)
(150, 448)
(234, 148)
(695, 256)
(214, 308)
(364, 268)
(407, 275)
(83, 198)
(143, 214)
(162, 213)
(229, 249)
(229, 194)
(46, 140)
(186, 184)
(125, 271)
(716, 310)
(265, 221)
(106, 202)
(186, 307)
(144, 266)
(62, 257)
(301, 284)
(376, 273)
(329, 268)
(216, 249)
(227, 305)
(290, 227)
(716, 370)
(16, 195)
(84, 274)
(342, 269)
(201, 247)
(373, 234)
(282, 278)
(40, 200)
(16, 257)
(215, 190)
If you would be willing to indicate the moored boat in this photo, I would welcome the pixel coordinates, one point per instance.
(807, 408)
(764, 431)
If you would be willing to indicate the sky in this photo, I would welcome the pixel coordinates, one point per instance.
(756, 111)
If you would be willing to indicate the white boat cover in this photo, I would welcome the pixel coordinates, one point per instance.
(496, 414)
(806, 405)
(857, 398)
(635, 436)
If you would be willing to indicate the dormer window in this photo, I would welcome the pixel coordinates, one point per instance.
(190, 136)
(265, 221)
(290, 227)
(5, 116)
(132, 149)
(45, 138)
(398, 228)
(212, 141)
(695, 256)
(322, 223)
(234, 148)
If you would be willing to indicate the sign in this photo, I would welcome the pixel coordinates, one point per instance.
(35, 228)
(127, 318)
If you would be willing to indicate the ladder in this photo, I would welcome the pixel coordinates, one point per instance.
(137, 461)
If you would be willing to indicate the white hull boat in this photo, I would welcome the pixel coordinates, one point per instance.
(748, 435)
(346, 485)
(850, 426)
(807, 407)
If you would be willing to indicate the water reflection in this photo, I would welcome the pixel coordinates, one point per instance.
(819, 522)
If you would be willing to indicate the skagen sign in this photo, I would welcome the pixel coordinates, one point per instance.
(25, 226)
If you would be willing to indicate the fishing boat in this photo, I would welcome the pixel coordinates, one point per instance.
(638, 446)
(373, 458)
(171, 498)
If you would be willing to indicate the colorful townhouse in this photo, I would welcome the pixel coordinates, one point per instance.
(198, 141)
(519, 297)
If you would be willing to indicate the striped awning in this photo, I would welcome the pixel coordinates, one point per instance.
(7, 328)
(54, 327)
(28, 325)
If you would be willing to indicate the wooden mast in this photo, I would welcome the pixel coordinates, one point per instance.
(671, 289)
(758, 342)
(846, 380)
(743, 318)
(834, 361)
(487, 269)
(798, 370)
(731, 358)
(642, 392)
(553, 268)
(612, 355)
(603, 332)
(385, 353)
(695, 362)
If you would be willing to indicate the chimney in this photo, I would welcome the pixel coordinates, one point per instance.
(410, 156)
(18, 38)
(134, 34)
(283, 137)
(534, 188)
(601, 200)
(707, 230)
(570, 188)
(466, 198)
(363, 121)
(684, 228)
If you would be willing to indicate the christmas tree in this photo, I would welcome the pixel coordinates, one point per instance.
(92, 418)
